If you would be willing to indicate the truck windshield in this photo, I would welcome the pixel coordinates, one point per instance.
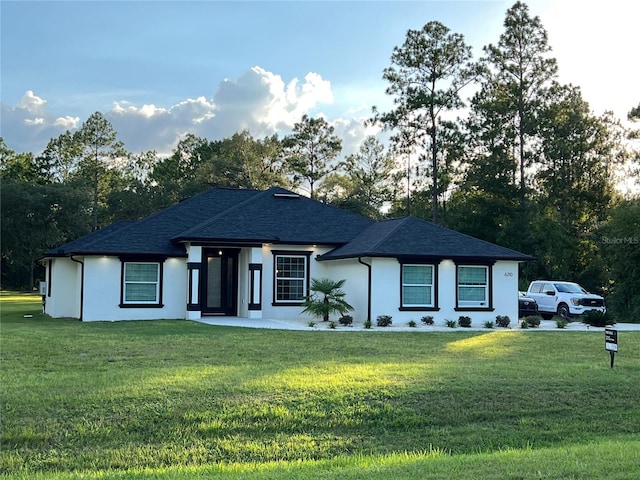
(569, 288)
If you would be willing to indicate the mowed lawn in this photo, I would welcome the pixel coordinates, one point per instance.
(178, 400)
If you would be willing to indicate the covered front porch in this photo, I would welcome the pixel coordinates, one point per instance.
(224, 281)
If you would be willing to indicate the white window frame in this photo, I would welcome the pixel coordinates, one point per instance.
(126, 282)
(485, 287)
(404, 284)
(304, 279)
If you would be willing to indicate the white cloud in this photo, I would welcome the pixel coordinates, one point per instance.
(259, 101)
(29, 126)
(31, 103)
(34, 121)
(67, 122)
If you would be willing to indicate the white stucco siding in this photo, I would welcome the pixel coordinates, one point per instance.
(316, 270)
(355, 287)
(102, 291)
(505, 290)
(65, 289)
(386, 293)
(243, 282)
(385, 288)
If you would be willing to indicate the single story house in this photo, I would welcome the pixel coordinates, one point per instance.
(252, 254)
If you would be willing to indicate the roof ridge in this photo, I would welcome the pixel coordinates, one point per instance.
(209, 221)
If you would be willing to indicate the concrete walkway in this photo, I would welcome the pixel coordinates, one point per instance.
(545, 325)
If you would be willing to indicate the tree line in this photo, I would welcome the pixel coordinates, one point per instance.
(495, 147)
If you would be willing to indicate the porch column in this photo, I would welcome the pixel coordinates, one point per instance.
(194, 266)
(255, 283)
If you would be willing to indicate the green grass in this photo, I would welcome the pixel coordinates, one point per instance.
(178, 399)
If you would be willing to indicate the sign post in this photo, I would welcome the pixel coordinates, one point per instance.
(611, 342)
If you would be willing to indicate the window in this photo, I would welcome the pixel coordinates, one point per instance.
(417, 286)
(536, 287)
(141, 283)
(473, 286)
(291, 277)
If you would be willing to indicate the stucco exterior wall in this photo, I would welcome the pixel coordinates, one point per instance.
(65, 289)
(316, 270)
(386, 293)
(102, 285)
(102, 291)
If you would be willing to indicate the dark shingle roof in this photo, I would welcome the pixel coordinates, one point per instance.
(278, 215)
(80, 243)
(232, 215)
(411, 237)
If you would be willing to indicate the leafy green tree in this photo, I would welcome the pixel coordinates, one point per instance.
(427, 74)
(60, 159)
(243, 162)
(310, 152)
(327, 298)
(100, 149)
(18, 166)
(620, 246)
(517, 75)
(175, 177)
(36, 217)
(370, 181)
(578, 154)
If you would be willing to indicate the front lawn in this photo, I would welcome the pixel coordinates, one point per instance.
(178, 399)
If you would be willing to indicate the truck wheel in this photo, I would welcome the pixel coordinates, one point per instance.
(563, 311)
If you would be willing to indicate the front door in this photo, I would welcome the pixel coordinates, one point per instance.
(220, 286)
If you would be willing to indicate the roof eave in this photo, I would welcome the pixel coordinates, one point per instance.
(435, 258)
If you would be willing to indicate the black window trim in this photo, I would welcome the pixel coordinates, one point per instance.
(432, 308)
(291, 253)
(142, 259)
(489, 267)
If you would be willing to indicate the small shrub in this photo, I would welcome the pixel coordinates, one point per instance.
(311, 324)
(367, 323)
(464, 321)
(451, 323)
(561, 322)
(383, 320)
(346, 320)
(412, 324)
(332, 325)
(524, 323)
(503, 321)
(533, 321)
(488, 324)
(427, 320)
(596, 318)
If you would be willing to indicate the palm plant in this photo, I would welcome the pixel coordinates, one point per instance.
(327, 298)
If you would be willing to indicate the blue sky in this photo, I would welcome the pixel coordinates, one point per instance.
(159, 70)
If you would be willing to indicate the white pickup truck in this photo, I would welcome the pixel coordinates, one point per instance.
(565, 299)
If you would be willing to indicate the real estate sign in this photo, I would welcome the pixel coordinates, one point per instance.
(611, 339)
(611, 342)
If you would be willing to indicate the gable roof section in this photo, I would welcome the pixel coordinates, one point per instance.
(223, 215)
(280, 216)
(411, 237)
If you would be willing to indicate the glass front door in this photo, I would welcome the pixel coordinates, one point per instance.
(220, 288)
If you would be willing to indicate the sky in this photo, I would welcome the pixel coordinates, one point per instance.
(158, 70)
